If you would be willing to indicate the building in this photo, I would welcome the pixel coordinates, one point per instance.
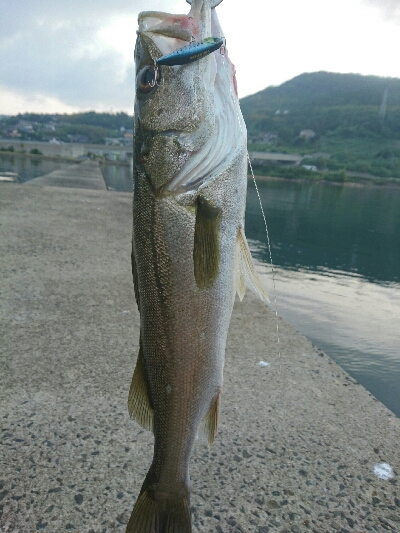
(307, 134)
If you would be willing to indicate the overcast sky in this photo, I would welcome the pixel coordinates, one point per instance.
(77, 55)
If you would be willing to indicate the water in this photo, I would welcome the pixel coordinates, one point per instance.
(337, 256)
(28, 168)
(118, 177)
(337, 251)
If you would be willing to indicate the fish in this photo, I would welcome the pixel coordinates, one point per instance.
(189, 251)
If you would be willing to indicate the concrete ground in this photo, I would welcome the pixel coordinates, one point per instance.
(298, 439)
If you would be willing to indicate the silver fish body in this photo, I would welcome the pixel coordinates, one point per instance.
(189, 253)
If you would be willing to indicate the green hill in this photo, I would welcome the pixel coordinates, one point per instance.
(330, 104)
(355, 119)
(89, 127)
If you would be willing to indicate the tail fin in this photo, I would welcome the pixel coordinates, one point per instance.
(151, 515)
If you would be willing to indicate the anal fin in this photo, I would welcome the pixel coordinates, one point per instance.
(245, 270)
(139, 405)
(209, 425)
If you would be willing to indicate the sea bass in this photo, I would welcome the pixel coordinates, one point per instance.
(189, 253)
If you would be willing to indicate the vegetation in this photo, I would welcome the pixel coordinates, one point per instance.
(87, 127)
(355, 119)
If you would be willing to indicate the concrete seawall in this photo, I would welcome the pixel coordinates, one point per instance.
(70, 150)
(298, 439)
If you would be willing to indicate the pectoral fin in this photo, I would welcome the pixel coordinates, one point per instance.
(139, 405)
(206, 248)
(245, 270)
(209, 424)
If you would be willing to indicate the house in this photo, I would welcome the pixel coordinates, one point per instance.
(266, 138)
(24, 126)
(307, 134)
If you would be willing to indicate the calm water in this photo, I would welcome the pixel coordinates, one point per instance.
(118, 177)
(28, 168)
(336, 252)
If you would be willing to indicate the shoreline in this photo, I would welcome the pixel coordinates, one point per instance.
(298, 439)
(62, 158)
(362, 182)
(101, 160)
(351, 181)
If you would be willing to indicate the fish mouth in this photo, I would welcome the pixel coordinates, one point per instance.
(156, 23)
(171, 32)
(221, 136)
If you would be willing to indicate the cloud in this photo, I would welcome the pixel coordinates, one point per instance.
(389, 9)
(78, 53)
(15, 103)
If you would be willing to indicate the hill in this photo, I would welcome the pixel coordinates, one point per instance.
(341, 105)
(341, 122)
(89, 127)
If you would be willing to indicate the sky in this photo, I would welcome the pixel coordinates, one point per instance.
(65, 56)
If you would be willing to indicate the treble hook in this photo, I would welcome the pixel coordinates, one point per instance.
(154, 81)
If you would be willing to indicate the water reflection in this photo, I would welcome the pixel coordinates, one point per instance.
(28, 168)
(353, 229)
(118, 177)
(337, 281)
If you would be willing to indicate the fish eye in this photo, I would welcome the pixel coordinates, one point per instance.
(147, 80)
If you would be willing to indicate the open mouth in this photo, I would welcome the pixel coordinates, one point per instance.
(171, 32)
(168, 32)
(165, 25)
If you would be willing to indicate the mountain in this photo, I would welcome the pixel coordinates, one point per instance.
(330, 104)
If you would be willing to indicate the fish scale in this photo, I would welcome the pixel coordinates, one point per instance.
(189, 256)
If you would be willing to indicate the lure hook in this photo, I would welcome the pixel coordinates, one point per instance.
(154, 81)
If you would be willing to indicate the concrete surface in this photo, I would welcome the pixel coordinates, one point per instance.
(46, 148)
(85, 175)
(298, 439)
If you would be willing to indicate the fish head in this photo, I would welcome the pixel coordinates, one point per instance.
(178, 118)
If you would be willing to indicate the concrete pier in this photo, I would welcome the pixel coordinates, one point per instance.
(85, 175)
(299, 441)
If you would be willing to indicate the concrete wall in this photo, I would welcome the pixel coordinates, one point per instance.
(62, 150)
(70, 149)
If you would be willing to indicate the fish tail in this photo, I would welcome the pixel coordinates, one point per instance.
(155, 515)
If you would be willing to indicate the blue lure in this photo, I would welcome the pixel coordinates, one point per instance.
(192, 52)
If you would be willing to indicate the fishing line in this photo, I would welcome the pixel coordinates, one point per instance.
(282, 420)
(286, 446)
(281, 375)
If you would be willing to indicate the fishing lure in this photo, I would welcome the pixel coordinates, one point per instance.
(192, 52)
(183, 56)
